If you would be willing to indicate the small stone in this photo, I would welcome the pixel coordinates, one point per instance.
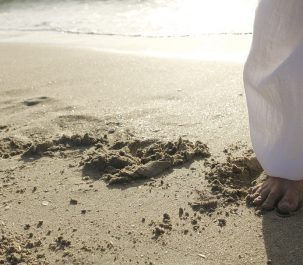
(45, 203)
(166, 217)
(194, 222)
(221, 222)
(73, 202)
(181, 212)
(40, 223)
(158, 231)
(202, 256)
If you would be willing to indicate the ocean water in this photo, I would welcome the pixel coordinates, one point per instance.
(136, 18)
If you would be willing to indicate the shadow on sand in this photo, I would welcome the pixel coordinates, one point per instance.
(283, 238)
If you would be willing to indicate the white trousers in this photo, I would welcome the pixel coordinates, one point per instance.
(273, 80)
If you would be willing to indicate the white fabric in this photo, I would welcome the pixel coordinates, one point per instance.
(273, 80)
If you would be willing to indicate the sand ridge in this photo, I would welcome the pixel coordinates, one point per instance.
(117, 161)
(136, 159)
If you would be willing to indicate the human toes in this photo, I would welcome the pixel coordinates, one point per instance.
(260, 196)
(253, 193)
(254, 189)
(271, 200)
(289, 203)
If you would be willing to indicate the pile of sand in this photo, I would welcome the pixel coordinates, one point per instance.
(231, 180)
(140, 159)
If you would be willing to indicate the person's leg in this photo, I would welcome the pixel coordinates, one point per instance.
(273, 80)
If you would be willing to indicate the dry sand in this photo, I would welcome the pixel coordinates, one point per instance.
(123, 159)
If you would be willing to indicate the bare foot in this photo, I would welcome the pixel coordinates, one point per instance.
(286, 195)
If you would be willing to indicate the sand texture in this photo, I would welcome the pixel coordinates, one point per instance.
(123, 159)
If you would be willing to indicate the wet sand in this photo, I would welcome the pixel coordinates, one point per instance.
(109, 158)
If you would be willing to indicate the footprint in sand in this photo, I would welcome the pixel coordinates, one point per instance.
(35, 101)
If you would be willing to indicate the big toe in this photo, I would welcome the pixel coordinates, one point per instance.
(289, 203)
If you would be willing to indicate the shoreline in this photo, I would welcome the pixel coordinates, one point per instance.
(214, 47)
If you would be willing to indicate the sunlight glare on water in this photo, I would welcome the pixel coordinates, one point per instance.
(192, 17)
(153, 18)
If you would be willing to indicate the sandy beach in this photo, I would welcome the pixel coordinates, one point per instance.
(111, 157)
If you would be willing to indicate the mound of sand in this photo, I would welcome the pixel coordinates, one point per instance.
(232, 179)
(139, 159)
(119, 159)
(229, 182)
